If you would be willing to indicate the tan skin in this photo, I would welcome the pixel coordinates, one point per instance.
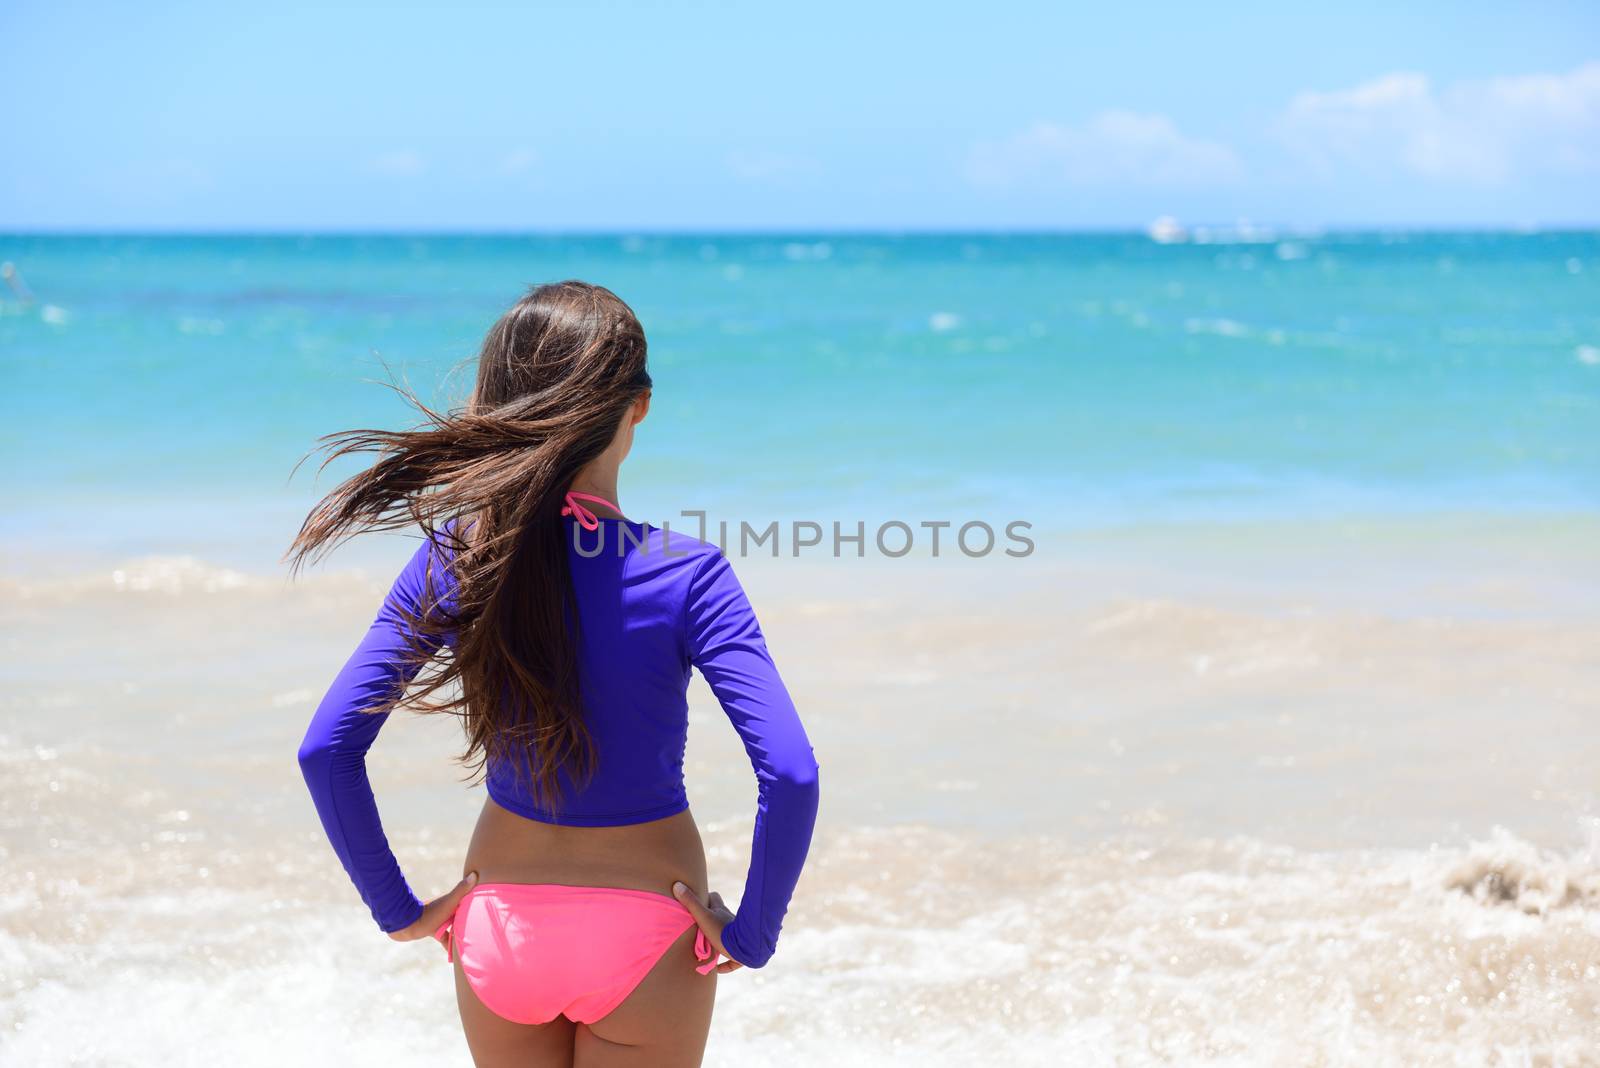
(665, 1021)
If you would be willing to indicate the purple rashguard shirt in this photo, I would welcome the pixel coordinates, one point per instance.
(649, 614)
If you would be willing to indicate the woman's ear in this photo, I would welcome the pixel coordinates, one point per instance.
(641, 408)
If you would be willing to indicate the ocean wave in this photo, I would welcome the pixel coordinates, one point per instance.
(170, 577)
(906, 945)
(1509, 871)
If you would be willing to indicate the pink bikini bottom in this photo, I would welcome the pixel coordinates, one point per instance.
(535, 951)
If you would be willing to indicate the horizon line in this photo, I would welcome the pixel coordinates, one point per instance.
(1237, 226)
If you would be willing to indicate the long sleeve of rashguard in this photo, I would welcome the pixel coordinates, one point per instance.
(333, 754)
(728, 648)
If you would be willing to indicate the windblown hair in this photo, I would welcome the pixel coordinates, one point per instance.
(556, 375)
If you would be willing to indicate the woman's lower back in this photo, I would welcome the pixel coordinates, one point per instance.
(509, 848)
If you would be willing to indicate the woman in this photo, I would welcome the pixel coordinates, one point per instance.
(562, 635)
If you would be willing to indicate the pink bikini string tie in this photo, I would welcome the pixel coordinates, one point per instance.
(703, 950)
(586, 519)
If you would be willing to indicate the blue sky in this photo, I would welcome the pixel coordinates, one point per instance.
(608, 116)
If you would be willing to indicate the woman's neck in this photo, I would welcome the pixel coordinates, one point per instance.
(602, 484)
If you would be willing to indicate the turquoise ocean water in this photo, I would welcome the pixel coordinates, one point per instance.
(158, 390)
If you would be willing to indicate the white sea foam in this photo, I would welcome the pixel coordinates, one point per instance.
(1509, 871)
(906, 945)
(1220, 327)
(174, 577)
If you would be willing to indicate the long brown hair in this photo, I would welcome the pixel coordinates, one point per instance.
(556, 375)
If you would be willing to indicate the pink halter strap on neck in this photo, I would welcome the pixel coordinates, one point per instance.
(586, 519)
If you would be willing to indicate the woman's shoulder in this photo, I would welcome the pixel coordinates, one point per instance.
(675, 551)
(664, 560)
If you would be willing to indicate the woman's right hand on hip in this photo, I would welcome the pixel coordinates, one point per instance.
(712, 916)
(436, 912)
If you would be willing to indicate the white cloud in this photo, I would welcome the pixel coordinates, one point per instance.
(1480, 131)
(399, 163)
(1113, 147)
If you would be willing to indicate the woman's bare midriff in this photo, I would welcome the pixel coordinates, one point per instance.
(508, 848)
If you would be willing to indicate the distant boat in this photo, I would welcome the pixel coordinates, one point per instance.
(1166, 231)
